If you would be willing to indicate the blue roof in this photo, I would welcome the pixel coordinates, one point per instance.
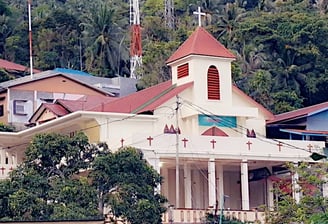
(71, 71)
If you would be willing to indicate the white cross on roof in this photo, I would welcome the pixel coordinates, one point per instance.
(200, 14)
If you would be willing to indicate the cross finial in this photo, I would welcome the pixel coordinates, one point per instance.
(200, 14)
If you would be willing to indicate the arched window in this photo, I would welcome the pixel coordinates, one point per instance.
(213, 83)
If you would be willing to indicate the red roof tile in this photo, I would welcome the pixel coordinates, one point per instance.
(298, 113)
(84, 103)
(58, 110)
(7, 65)
(133, 102)
(162, 99)
(201, 43)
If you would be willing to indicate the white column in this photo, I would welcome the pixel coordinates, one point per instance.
(165, 189)
(211, 183)
(9, 110)
(220, 196)
(187, 185)
(244, 185)
(295, 186)
(155, 163)
(35, 101)
(2, 156)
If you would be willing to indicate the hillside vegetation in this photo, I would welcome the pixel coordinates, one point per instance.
(281, 46)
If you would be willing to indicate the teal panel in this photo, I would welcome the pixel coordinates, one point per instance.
(218, 121)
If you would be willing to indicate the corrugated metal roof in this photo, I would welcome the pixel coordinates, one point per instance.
(89, 81)
(201, 43)
(10, 66)
(58, 110)
(132, 102)
(299, 113)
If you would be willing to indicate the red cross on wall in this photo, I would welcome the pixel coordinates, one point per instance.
(122, 141)
(213, 143)
(149, 140)
(184, 142)
(249, 145)
(2, 170)
(279, 146)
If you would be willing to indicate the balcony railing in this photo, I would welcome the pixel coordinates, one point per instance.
(199, 216)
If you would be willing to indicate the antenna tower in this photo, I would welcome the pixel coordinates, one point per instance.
(135, 47)
(169, 13)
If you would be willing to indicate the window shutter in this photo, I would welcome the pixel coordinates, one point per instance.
(213, 84)
(183, 70)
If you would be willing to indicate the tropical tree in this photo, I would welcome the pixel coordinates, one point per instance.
(102, 32)
(127, 184)
(47, 185)
(312, 206)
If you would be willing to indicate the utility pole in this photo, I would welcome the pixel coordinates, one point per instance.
(177, 166)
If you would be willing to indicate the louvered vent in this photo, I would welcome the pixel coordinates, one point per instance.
(213, 83)
(183, 70)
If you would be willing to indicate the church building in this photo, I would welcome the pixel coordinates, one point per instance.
(204, 136)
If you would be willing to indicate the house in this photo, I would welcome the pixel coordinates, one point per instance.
(19, 98)
(200, 132)
(306, 123)
(15, 69)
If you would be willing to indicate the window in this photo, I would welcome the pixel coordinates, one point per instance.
(213, 83)
(19, 107)
(183, 70)
(1, 110)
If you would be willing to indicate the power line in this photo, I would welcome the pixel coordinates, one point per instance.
(260, 137)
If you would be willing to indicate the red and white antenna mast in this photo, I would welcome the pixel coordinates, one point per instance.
(135, 47)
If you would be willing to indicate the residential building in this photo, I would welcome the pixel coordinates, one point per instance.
(308, 123)
(19, 98)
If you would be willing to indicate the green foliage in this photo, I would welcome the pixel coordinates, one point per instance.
(5, 127)
(312, 206)
(127, 183)
(287, 39)
(47, 185)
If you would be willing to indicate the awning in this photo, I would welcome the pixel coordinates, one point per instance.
(305, 132)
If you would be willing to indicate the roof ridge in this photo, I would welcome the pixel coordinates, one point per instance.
(154, 99)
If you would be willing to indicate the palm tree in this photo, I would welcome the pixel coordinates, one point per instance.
(103, 35)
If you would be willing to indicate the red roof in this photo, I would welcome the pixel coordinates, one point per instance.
(84, 103)
(10, 66)
(299, 113)
(201, 43)
(58, 110)
(144, 100)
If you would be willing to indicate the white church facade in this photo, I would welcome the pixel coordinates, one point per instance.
(199, 131)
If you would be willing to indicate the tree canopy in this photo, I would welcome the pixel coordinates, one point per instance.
(312, 207)
(286, 39)
(67, 178)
